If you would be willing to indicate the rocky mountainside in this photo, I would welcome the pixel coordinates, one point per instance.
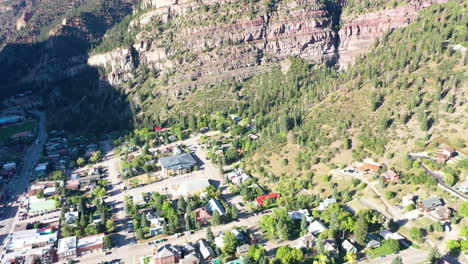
(189, 43)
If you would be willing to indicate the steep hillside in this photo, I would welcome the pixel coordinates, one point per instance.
(187, 44)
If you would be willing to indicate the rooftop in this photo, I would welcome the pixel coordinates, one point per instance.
(66, 244)
(90, 240)
(178, 162)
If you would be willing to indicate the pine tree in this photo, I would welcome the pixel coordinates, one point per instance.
(434, 256)
(209, 235)
(234, 212)
(216, 219)
(360, 232)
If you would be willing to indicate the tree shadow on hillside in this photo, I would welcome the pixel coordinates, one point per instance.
(76, 97)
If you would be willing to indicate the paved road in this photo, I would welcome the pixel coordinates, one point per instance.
(439, 176)
(18, 185)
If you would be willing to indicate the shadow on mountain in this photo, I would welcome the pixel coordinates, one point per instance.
(75, 97)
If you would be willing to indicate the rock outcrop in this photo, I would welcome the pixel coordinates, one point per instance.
(358, 33)
(192, 43)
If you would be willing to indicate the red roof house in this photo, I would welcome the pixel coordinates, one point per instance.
(261, 199)
(202, 214)
(391, 176)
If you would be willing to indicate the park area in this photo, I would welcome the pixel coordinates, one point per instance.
(7, 132)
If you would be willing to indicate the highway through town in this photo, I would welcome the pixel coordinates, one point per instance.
(19, 184)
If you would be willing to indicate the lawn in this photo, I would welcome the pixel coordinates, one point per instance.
(378, 252)
(7, 132)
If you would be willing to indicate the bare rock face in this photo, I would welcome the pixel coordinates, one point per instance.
(195, 42)
(358, 33)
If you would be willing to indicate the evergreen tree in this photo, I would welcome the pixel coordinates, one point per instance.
(360, 232)
(234, 212)
(216, 218)
(434, 256)
(209, 235)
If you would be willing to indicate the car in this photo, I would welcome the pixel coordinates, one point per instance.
(108, 253)
(151, 243)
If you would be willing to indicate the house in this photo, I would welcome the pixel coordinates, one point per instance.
(441, 213)
(430, 204)
(299, 214)
(368, 165)
(219, 240)
(407, 200)
(330, 246)
(190, 258)
(326, 203)
(41, 169)
(167, 254)
(50, 191)
(348, 246)
(202, 215)
(207, 253)
(154, 231)
(316, 227)
(66, 248)
(306, 241)
(444, 153)
(90, 244)
(154, 219)
(215, 205)
(463, 186)
(373, 241)
(139, 199)
(238, 176)
(242, 250)
(35, 189)
(73, 185)
(178, 164)
(390, 176)
(9, 166)
(253, 136)
(239, 234)
(70, 217)
(260, 201)
(387, 234)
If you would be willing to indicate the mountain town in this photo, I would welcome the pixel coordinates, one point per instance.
(235, 132)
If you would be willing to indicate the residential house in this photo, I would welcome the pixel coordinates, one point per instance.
(260, 201)
(299, 214)
(154, 219)
(70, 217)
(178, 164)
(407, 200)
(330, 246)
(9, 166)
(373, 241)
(430, 204)
(444, 153)
(73, 185)
(139, 199)
(242, 250)
(41, 169)
(207, 253)
(202, 215)
(50, 191)
(167, 254)
(306, 241)
(387, 234)
(326, 203)
(238, 176)
(441, 213)
(215, 205)
(368, 165)
(219, 240)
(316, 227)
(463, 186)
(348, 246)
(190, 258)
(391, 176)
(239, 234)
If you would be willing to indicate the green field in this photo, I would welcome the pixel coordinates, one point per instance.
(7, 132)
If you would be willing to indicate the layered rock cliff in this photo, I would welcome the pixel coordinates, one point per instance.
(189, 43)
(359, 32)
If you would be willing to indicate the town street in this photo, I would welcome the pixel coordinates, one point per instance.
(19, 184)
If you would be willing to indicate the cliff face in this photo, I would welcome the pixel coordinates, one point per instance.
(221, 39)
(358, 33)
(189, 43)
